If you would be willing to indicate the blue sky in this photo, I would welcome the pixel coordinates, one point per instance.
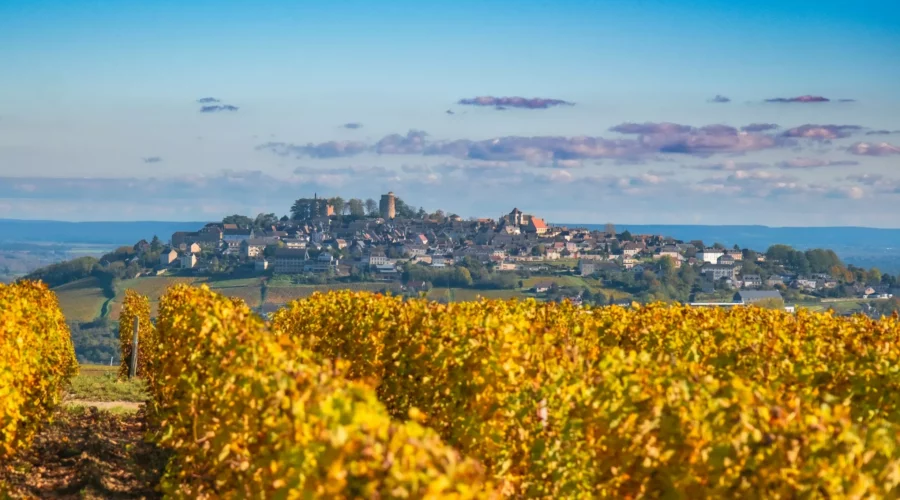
(99, 118)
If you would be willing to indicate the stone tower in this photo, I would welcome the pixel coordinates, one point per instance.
(388, 206)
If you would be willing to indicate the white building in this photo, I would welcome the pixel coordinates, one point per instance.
(710, 255)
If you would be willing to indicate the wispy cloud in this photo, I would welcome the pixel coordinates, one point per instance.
(207, 100)
(759, 127)
(649, 128)
(729, 166)
(872, 149)
(352, 125)
(804, 163)
(799, 99)
(720, 99)
(822, 132)
(882, 132)
(514, 102)
(330, 149)
(216, 108)
(395, 144)
(152, 159)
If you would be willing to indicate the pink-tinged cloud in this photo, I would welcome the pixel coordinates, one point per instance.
(821, 132)
(871, 149)
(514, 102)
(805, 163)
(800, 99)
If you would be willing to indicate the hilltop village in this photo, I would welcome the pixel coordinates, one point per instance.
(387, 242)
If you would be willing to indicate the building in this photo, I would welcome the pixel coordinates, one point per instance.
(377, 258)
(253, 248)
(234, 237)
(752, 281)
(167, 258)
(715, 272)
(290, 261)
(537, 226)
(710, 255)
(586, 267)
(751, 296)
(311, 208)
(388, 206)
(188, 261)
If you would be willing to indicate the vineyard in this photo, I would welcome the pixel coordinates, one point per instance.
(353, 394)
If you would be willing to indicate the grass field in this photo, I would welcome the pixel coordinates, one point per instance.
(81, 300)
(106, 387)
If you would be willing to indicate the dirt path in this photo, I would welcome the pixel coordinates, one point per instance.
(103, 405)
(87, 453)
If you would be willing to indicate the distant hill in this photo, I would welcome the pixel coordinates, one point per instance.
(862, 246)
(111, 233)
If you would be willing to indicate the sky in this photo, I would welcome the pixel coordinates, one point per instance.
(782, 113)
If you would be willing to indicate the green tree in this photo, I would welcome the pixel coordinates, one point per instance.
(356, 207)
(155, 244)
(718, 246)
(626, 236)
(265, 220)
(372, 207)
(338, 203)
(242, 221)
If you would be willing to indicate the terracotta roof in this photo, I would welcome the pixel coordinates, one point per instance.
(538, 223)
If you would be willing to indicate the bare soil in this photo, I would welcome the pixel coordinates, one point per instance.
(87, 453)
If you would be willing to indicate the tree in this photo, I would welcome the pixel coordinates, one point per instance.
(421, 214)
(779, 253)
(265, 221)
(718, 246)
(356, 207)
(372, 207)
(736, 247)
(338, 203)
(873, 276)
(626, 236)
(538, 250)
(241, 221)
(155, 244)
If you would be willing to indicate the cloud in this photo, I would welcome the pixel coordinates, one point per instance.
(821, 132)
(729, 166)
(216, 108)
(800, 99)
(651, 128)
(720, 99)
(759, 127)
(871, 149)
(395, 144)
(882, 132)
(803, 163)
(867, 179)
(330, 149)
(653, 139)
(207, 100)
(152, 159)
(352, 125)
(514, 102)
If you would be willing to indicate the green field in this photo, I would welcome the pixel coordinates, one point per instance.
(81, 300)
